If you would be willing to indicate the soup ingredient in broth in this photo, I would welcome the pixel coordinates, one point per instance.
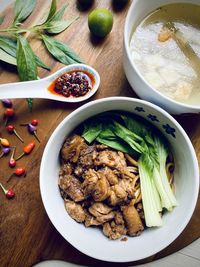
(165, 48)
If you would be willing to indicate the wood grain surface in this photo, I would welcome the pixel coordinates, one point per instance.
(26, 233)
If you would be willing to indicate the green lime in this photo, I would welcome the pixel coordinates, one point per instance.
(100, 21)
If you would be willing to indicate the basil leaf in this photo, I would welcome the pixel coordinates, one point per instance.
(58, 26)
(9, 45)
(40, 63)
(1, 19)
(59, 14)
(7, 58)
(30, 104)
(52, 10)
(22, 9)
(61, 51)
(26, 63)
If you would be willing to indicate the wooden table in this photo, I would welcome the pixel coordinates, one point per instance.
(26, 233)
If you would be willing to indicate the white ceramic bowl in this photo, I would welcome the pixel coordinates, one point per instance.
(139, 9)
(91, 241)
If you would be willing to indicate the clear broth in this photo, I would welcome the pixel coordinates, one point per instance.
(171, 69)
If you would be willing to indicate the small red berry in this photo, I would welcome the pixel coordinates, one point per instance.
(10, 128)
(9, 112)
(34, 122)
(12, 163)
(10, 194)
(20, 171)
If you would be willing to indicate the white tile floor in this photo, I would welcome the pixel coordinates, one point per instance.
(187, 257)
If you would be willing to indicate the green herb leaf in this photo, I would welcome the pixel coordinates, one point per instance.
(1, 19)
(61, 51)
(91, 130)
(9, 45)
(40, 63)
(58, 26)
(59, 14)
(30, 103)
(26, 63)
(107, 137)
(7, 58)
(22, 9)
(52, 10)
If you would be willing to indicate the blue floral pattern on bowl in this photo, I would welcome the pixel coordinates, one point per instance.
(140, 109)
(168, 129)
(152, 117)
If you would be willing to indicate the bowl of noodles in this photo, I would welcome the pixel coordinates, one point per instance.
(114, 177)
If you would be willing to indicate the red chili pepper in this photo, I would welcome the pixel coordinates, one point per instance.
(8, 113)
(20, 171)
(8, 193)
(34, 122)
(11, 129)
(27, 150)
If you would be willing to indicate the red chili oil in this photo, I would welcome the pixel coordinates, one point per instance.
(74, 83)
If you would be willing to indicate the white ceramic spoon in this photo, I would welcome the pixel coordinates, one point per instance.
(39, 88)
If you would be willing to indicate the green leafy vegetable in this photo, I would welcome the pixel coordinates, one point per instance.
(59, 14)
(168, 200)
(1, 19)
(150, 197)
(55, 27)
(23, 9)
(40, 63)
(30, 103)
(9, 45)
(26, 63)
(91, 130)
(7, 58)
(52, 10)
(61, 51)
(107, 137)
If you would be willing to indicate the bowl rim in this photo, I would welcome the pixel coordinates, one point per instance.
(194, 197)
(194, 108)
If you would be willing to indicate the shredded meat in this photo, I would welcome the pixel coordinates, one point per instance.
(111, 159)
(116, 228)
(132, 219)
(99, 189)
(75, 210)
(72, 148)
(72, 187)
(110, 175)
(102, 212)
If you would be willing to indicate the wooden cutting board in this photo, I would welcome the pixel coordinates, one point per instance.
(26, 233)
